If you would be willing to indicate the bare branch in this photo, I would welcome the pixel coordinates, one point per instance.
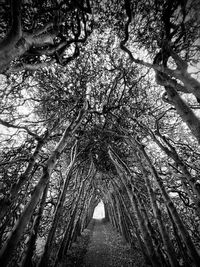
(10, 125)
(30, 67)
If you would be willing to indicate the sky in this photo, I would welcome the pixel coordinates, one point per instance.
(99, 212)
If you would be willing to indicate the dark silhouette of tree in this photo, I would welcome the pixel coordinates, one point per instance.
(98, 103)
(36, 34)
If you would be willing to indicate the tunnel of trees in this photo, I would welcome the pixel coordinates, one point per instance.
(99, 101)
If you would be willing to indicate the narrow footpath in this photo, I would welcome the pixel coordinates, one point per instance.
(101, 246)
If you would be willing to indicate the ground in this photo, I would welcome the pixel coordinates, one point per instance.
(102, 246)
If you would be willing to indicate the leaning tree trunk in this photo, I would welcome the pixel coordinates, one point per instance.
(181, 73)
(58, 213)
(172, 153)
(183, 231)
(180, 244)
(154, 236)
(77, 225)
(134, 201)
(123, 220)
(112, 216)
(23, 178)
(9, 247)
(121, 216)
(114, 212)
(184, 111)
(84, 192)
(157, 213)
(122, 230)
(135, 226)
(69, 228)
(27, 261)
(87, 215)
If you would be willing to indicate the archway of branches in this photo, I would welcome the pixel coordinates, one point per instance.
(99, 103)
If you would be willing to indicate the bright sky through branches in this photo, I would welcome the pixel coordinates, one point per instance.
(99, 211)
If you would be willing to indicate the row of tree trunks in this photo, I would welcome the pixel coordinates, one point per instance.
(152, 254)
(172, 153)
(134, 225)
(88, 213)
(185, 112)
(172, 209)
(77, 223)
(143, 219)
(157, 213)
(124, 220)
(10, 245)
(165, 75)
(83, 192)
(31, 246)
(119, 214)
(23, 178)
(59, 209)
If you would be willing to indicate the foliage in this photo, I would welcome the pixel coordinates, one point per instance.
(113, 114)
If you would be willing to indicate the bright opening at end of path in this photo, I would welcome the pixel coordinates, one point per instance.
(99, 211)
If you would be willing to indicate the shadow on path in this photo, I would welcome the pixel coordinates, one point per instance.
(101, 246)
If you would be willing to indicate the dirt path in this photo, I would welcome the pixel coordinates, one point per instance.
(99, 249)
(101, 246)
(107, 249)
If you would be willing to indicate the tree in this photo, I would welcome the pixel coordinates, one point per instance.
(58, 26)
(134, 148)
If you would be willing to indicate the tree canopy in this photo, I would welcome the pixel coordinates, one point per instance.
(99, 101)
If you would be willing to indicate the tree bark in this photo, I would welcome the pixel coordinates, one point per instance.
(13, 239)
(183, 231)
(47, 250)
(27, 261)
(5, 205)
(172, 153)
(141, 222)
(157, 213)
(73, 213)
(185, 112)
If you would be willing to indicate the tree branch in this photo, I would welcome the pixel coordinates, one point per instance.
(30, 67)
(10, 125)
(15, 31)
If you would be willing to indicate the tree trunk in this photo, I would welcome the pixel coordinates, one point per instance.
(12, 37)
(184, 233)
(21, 181)
(157, 213)
(185, 112)
(191, 180)
(69, 228)
(32, 241)
(181, 247)
(135, 226)
(58, 213)
(141, 221)
(10, 245)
